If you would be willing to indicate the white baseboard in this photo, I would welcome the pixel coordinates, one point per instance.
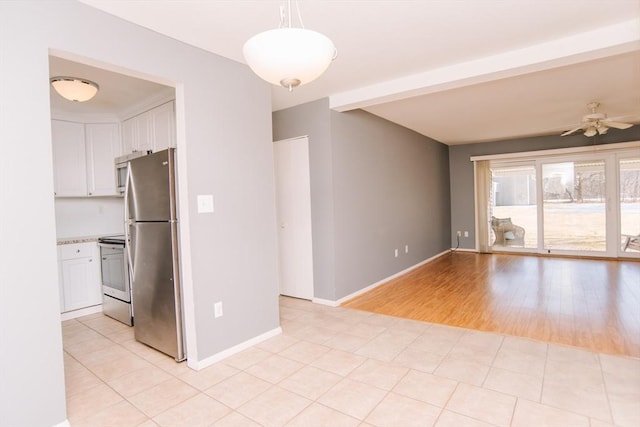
(375, 285)
(81, 312)
(325, 302)
(463, 250)
(201, 364)
(65, 423)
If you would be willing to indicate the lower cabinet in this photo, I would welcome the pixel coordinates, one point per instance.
(79, 276)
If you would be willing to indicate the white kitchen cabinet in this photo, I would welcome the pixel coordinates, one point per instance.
(79, 272)
(69, 159)
(164, 126)
(103, 146)
(83, 158)
(153, 130)
(129, 134)
(138, 133)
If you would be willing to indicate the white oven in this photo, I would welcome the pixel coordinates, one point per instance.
(116, 286)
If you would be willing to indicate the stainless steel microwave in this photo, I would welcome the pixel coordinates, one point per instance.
(121, 168)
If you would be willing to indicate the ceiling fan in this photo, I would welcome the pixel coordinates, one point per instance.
(596, 123)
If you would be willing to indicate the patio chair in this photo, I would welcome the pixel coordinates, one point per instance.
(506, 232)
(631, 242)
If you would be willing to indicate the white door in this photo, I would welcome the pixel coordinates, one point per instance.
(293, 197)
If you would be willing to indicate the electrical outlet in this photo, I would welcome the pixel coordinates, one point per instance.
(406, 249)
(217, 309)
(396, 253)
(466, 234)
(459, 233)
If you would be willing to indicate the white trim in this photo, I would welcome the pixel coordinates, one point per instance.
(375, 285)
(201, 364)
(476, 220)
(291, 139)
(65, 423)
(474, 250)
(166, 95)
(80, 312)
(184, 234)
(532, 155)
(86, 118)
(327, 302)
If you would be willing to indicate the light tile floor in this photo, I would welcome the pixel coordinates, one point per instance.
(342, 367)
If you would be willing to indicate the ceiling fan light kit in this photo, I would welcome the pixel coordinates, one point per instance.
(596, 123)
(288, 56)
(74, 88)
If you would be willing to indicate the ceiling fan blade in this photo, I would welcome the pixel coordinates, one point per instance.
(569, 132)
(617, 125)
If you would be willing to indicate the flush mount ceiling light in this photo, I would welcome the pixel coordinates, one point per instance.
(74, 88)
(289, 56)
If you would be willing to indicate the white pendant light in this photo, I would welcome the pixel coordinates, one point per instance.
(74, 89)
(289, 56)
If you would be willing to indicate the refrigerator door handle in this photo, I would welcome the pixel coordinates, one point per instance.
(127, 220)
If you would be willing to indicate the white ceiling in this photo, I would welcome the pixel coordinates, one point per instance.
(118, 93)
(456, 71)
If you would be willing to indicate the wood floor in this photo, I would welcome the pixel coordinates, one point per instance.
(593, 304)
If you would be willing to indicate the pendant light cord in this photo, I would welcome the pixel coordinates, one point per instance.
(299, 15)
(285, 16)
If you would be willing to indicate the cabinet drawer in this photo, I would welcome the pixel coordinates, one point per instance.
(76, 250)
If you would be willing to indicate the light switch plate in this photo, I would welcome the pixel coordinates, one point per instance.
(205, 203)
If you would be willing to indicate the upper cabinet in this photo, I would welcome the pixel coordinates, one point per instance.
(83, 158)
(69, 159)
(84, 153)
(103, 146)
(153, 130)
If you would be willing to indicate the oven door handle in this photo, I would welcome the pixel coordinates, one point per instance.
(111, 245)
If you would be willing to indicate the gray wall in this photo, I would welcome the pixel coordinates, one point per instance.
(391, 189)
(387, 187)
(462, 199)
(233, 250)
(312, 119)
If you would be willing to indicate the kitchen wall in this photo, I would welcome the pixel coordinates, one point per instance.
(375, 187)
(228, 255)
(462, 181)
(90, 216)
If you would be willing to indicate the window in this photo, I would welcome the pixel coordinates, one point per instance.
(581, 201)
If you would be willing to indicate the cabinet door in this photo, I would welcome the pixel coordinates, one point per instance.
(129, 136)
(103, 142)
(144, 131)
(79, 283)
(163, 126)
(69, 160)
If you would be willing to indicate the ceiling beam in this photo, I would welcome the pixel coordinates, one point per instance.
(587, 46)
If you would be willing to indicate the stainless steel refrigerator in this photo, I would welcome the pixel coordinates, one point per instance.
(152, 248)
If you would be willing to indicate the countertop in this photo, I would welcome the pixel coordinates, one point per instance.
(80, 239)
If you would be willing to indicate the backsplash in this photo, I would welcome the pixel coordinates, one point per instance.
(89, 216)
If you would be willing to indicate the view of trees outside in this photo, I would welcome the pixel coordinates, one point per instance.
(574, 203)
(574, 210)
